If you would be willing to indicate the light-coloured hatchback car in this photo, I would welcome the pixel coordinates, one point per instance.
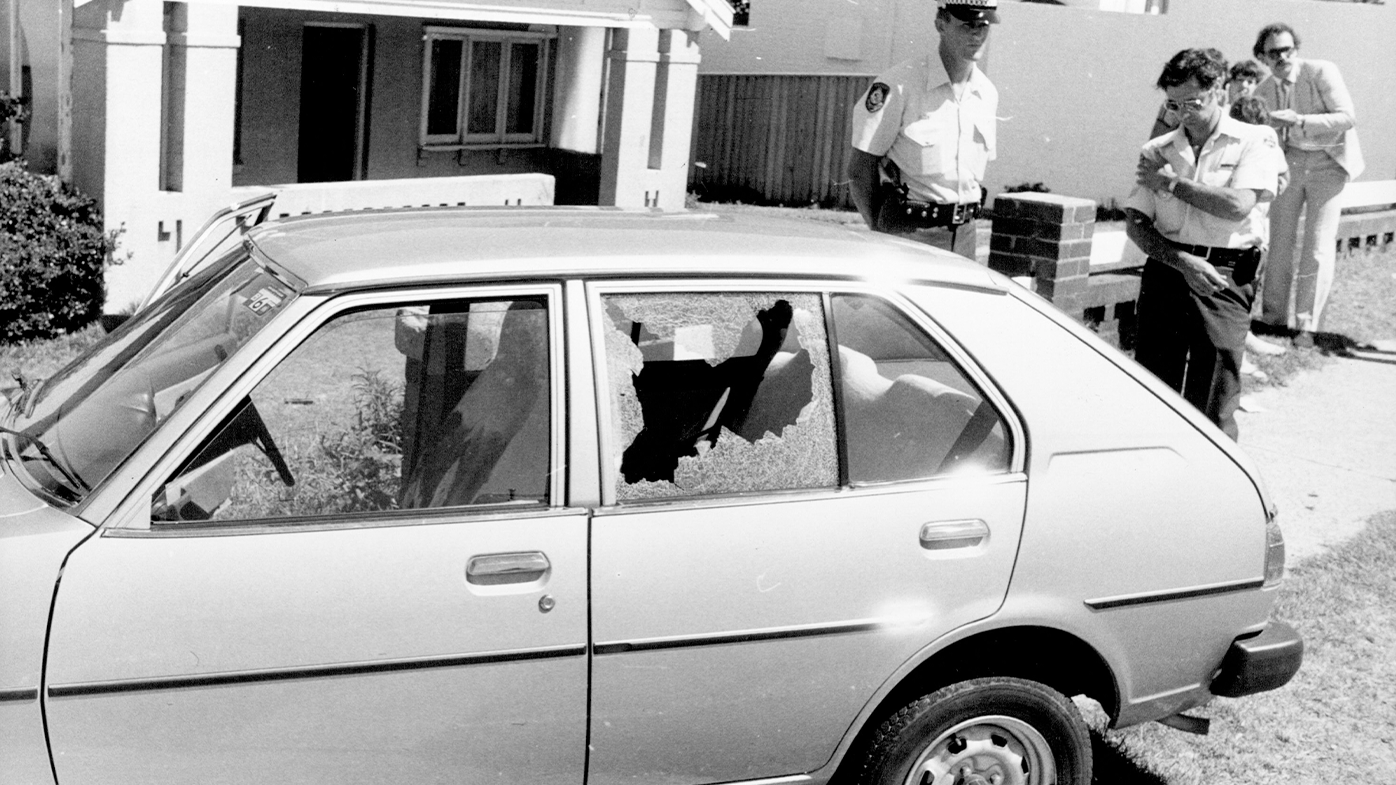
(566, 496)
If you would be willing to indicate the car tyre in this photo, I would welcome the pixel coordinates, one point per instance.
(996, 730)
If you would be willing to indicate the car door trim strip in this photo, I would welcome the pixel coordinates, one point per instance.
(741, 636)
(1129, 600)
(19, 694)
(311, 672)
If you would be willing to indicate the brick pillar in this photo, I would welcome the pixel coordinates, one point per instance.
(1049, 238)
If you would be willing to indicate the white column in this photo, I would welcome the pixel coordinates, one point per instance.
(581, 53)
(675, 96)
(204, 41)
(625, 152)
(118, 56)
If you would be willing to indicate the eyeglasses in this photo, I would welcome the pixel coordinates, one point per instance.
(1279, 51)
(1191, 105)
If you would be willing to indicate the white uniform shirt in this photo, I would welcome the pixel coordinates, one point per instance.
(1237, 155)
(941, 145)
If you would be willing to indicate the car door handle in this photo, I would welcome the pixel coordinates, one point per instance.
(945, 535)
(495, 568)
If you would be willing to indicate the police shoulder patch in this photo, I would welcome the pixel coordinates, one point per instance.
(877, 97)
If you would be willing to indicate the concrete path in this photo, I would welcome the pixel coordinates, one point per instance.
(1326, 444)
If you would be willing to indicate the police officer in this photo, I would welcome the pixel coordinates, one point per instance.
(923, 132)
(1199, 211)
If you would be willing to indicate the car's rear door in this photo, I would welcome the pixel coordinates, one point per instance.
(412, 609)
(786, 526)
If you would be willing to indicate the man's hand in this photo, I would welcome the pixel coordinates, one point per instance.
(1284, 117)
(1150, 175)
(1202, 278)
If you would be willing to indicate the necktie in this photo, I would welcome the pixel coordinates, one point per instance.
(1283, 97)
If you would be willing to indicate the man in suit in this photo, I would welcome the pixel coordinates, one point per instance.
(1312, 112)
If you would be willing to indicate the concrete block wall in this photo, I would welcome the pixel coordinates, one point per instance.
(1368, 232)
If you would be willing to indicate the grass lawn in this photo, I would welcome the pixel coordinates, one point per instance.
(1335, 722)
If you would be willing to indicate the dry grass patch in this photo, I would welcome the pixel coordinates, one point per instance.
(1335, 722)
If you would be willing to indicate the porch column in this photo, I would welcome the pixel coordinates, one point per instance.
(118, 55)
(581, 53)
(203, 43)
(676, 93)
(625, 177)
(118, 47)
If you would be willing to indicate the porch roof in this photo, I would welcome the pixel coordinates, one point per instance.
(662, 14)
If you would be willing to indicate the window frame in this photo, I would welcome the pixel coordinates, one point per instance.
(500, 137)
(826, 290)
(133, 515)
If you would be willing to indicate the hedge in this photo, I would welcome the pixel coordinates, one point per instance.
(53, 254)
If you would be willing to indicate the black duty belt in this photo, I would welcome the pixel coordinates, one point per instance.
(1223, 257)
(938, 213)
(1242, 262)
(898, 215)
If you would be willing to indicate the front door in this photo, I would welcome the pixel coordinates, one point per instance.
(362, 573)
(334, 69)
(775, 550)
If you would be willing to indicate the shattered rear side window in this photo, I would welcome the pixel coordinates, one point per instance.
(719, 393)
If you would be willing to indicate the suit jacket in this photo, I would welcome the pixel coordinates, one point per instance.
(1317, 92)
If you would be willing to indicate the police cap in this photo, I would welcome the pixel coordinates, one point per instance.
(972, 10)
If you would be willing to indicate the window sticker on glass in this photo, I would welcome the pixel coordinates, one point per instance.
(265, 300)
(719, 393)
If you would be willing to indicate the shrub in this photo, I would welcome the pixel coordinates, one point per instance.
(52, 256)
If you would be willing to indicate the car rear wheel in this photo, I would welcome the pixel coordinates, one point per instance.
(990, 731)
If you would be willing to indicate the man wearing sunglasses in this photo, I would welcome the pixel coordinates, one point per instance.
(1312, 112)
(1198, 211)
(923, 132)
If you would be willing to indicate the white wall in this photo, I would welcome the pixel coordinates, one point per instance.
(1076, 86)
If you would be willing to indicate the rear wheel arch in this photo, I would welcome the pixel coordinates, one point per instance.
(1045, 655)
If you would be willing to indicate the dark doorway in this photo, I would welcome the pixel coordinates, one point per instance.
(332, 104)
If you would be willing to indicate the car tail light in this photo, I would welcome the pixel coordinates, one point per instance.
(1274, 552)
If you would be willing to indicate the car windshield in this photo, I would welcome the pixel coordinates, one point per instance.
(75, 429)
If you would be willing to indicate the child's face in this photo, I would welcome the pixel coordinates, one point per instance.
(1239, 88)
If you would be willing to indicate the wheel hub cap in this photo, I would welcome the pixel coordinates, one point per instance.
(993, 750)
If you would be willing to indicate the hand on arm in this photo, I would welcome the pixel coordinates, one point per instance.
(1230, 203)
(1202, 278)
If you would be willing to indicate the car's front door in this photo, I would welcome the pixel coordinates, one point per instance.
(787, 526)
(360, 571)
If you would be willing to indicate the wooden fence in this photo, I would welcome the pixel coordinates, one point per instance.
(773, 139)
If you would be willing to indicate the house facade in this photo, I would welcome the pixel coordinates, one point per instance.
(166, 111)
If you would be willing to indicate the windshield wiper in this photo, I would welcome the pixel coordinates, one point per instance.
(72, 479)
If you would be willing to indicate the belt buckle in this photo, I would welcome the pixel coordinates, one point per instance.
(957, 215)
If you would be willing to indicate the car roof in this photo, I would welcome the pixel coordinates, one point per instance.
(335, 251)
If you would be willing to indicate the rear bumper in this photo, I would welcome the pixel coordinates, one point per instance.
(1260, 662)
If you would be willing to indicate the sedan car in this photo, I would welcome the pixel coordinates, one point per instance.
(569, 495)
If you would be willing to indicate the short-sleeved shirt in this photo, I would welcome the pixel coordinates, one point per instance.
(1237, 155)
(940, 144)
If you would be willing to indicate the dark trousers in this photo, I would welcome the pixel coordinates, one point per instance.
(1194, 343)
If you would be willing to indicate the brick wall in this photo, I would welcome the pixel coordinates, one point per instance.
(1046, 239)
